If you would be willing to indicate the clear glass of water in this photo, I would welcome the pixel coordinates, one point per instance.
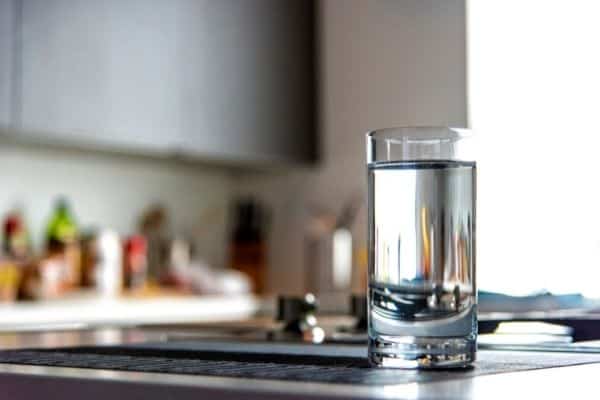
(422, 296)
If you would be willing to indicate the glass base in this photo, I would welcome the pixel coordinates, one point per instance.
(413, 352)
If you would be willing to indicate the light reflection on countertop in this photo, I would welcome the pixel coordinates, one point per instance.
(71, 338)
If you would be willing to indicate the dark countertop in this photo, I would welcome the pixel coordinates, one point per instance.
(518, 380)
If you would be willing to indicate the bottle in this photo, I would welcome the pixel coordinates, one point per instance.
(10, 279)
(62, 237)
(101, 262)
(248, 248)
(16, 244)
(135, 262)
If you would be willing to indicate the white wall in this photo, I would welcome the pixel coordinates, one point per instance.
(112, 191)
(383, 63)
(6, 62)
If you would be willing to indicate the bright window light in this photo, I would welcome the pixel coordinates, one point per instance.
(534, 94)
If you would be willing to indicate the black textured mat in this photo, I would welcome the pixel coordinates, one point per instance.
(298, 367)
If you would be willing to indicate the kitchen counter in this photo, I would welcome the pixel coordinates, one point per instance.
(26, 382)
(82, 310)
(34, 381)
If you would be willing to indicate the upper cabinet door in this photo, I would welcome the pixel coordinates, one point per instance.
(101, 72)
(213, 79)
(7, 20)
(248, 79)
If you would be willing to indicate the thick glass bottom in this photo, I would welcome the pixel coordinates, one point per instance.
(413, 352)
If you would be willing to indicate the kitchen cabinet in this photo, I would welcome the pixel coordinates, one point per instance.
(225, 80)
(249, 74)
(100, 72)
(6, 60)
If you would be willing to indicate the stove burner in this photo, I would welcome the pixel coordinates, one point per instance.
(298, 315)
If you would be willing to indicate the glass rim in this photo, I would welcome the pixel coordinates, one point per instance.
(419, 134)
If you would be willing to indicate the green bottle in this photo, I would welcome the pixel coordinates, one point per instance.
(63, 241)
(62, 229)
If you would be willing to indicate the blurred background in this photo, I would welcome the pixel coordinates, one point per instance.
(198, 150)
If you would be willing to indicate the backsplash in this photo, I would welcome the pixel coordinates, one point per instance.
(112, 191)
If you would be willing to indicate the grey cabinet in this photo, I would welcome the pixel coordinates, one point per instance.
(213, 79)
(7, 17)
(249, 79)
(100, 72)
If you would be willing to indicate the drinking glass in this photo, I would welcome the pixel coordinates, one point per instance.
(422, 297)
